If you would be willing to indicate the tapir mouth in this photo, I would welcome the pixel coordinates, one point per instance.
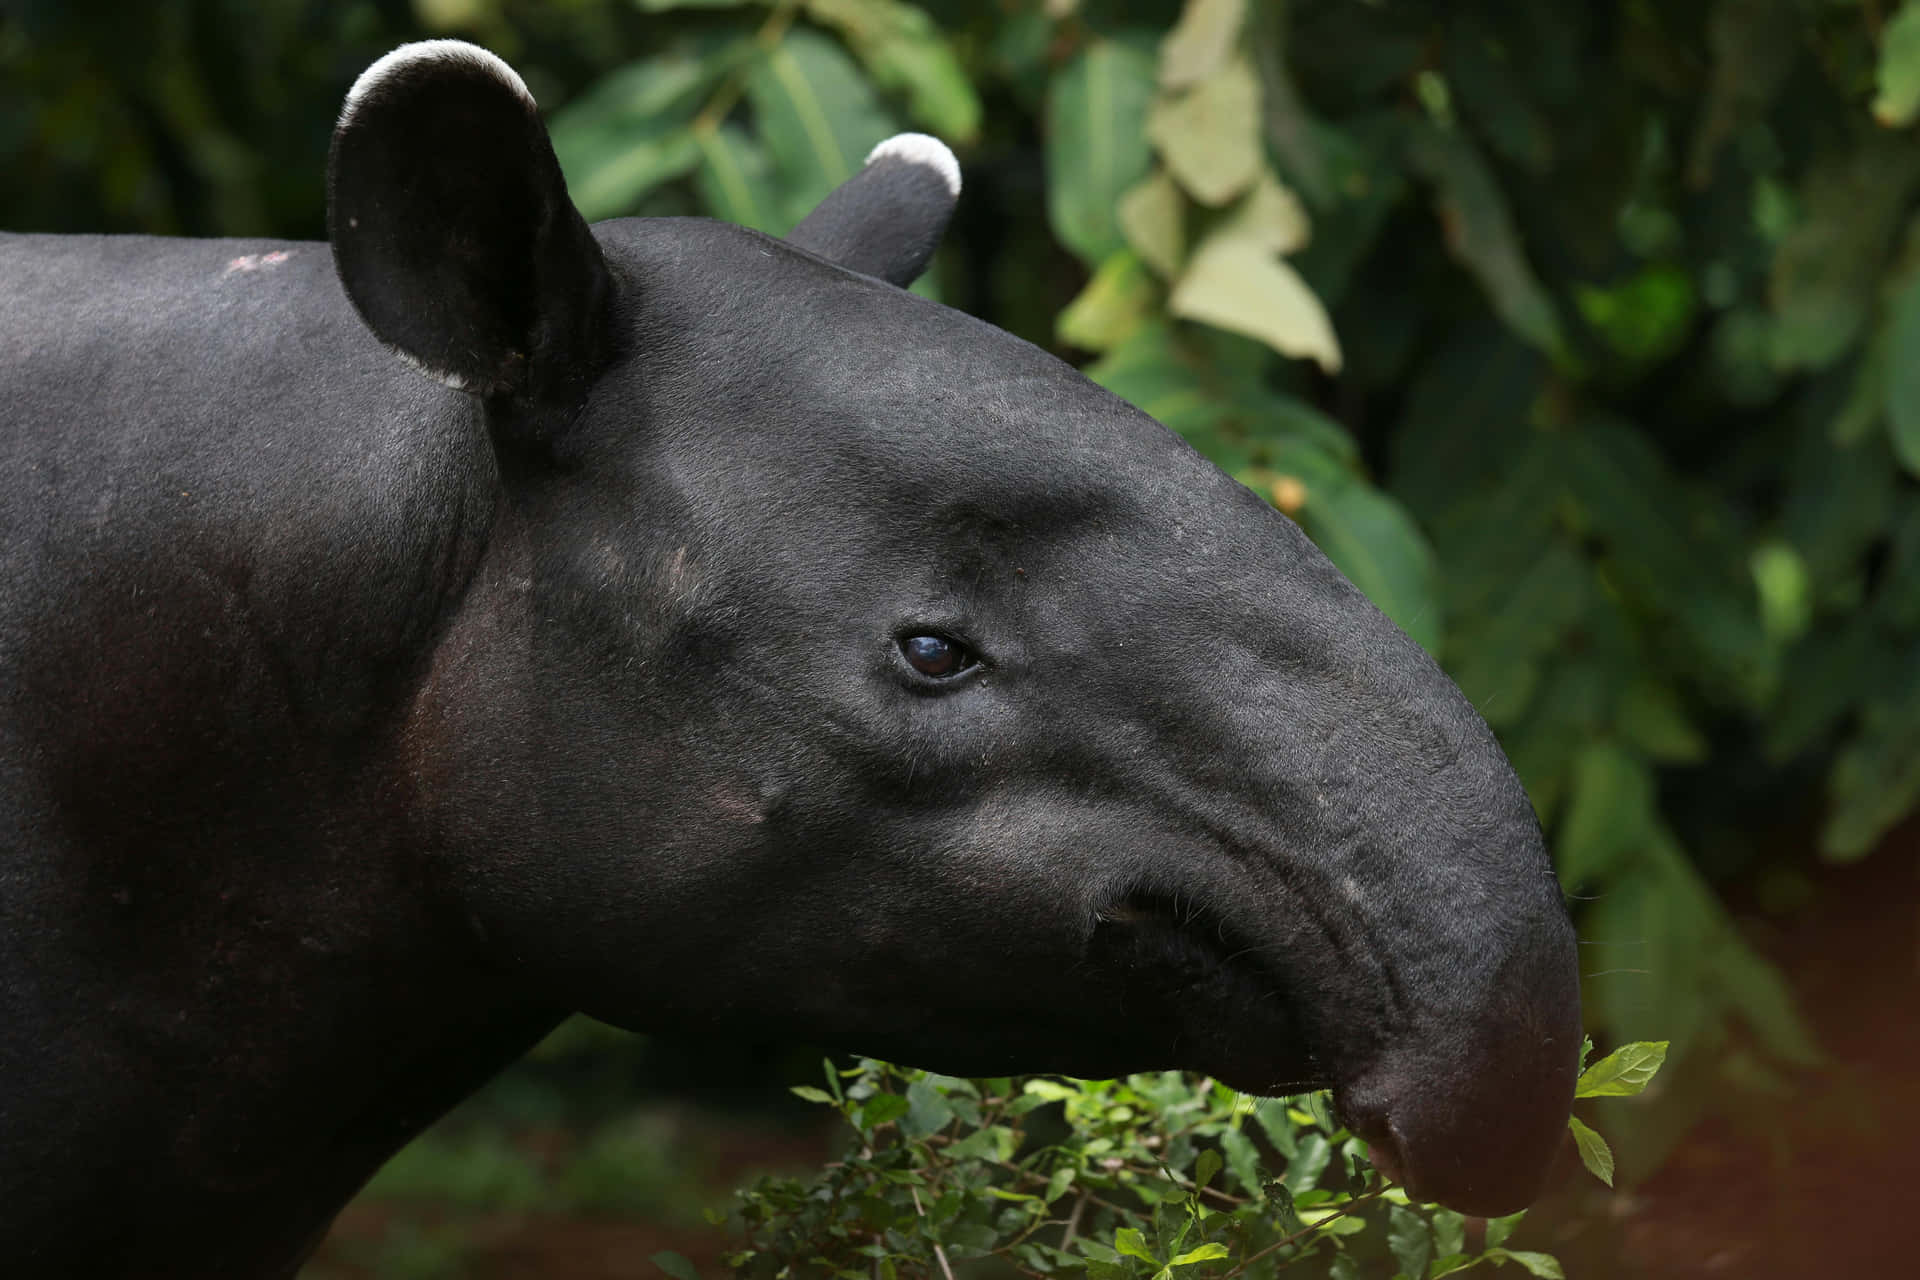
(1209, 964)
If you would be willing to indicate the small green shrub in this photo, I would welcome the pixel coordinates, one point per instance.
(1158, 1175)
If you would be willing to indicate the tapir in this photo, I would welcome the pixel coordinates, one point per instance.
(411, 639)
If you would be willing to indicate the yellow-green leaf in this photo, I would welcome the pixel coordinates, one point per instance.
(1205, 1253)
(1624, 1072)
(1594, 1151)
(1200, 41)
(1112, 308)
(1235, 282)
(1898, 76)
(1129, 1241)
(1209, 136)
(1272, 215)
(1153, 217)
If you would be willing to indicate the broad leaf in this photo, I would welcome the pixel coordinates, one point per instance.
(1610, 818)
(817, 115)
(1480, 231)
(906, 53)
(1594, 1152)
(1153, 217)
(1096, 144)
(1200, 41)
(1410, 1239)
(1898, 75)
(1624, 1072)
(629, 132)
(1903, 372)
(1236, 282)
(1209, 136)
(737, 181)
(1114, 306)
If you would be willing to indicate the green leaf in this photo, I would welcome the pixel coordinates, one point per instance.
(1786, 596)
(1129, 1241)
(1898, 75)
(628, 132)
(1498, 1229)
(1309, 1162)
(1646, 318)
(1206, 1167)
(1271, 1115)
(1116, 303)
(1594, 1152)
(1096, 144)
(1204, 1253)
(1243, 1159)
(881, 1108)
(1903, 369)
(1611, 815)
(675, 1265)
(812, 1094)
(1828, 270)
(1450, 1233)
(1410, 1240)
(1209, 136)
(1544, 1265)
(1875, 781)
(737, 181)
(928, 1112)
(817, 114)
(1200, 41)
(1624, 1072)
(906, 53)
(1480, 232)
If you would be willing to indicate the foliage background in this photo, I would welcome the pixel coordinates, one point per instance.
(1585, 337)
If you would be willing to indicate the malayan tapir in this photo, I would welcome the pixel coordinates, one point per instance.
(406, 642)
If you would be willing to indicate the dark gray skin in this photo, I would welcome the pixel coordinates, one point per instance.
(357, 728)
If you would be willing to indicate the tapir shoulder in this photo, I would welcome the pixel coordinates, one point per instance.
(202, 428)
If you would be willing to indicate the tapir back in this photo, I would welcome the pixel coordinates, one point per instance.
(197, 436)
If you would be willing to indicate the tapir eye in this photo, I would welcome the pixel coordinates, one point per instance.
(935, 656)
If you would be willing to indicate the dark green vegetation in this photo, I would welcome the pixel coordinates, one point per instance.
(1583, 336)
(1151, 1176)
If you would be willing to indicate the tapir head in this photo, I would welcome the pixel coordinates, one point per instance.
(844, 667)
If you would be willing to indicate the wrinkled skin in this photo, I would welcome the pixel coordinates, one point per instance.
(358, 728)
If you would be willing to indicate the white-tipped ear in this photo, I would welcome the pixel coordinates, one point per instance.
(921, 149)
(452, 231)
(408, 55)
(887, 219)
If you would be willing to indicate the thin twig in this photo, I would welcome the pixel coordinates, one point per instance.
(1073, 1218)
(939, 1254)
(1307, 1230)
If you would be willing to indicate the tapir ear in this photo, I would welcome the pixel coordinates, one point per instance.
(452, 230)
(887, 219)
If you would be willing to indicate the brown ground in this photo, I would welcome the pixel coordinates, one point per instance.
(1822, 1182)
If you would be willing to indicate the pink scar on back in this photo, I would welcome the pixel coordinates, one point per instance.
(255, 261)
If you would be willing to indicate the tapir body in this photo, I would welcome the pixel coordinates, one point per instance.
(691, 628)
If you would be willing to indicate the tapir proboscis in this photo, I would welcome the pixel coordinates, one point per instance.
(409, 640)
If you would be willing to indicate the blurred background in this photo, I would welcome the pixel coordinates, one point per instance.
(1584, 337)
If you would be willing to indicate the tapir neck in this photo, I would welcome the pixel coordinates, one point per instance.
(235, 970)
(249, 1018)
